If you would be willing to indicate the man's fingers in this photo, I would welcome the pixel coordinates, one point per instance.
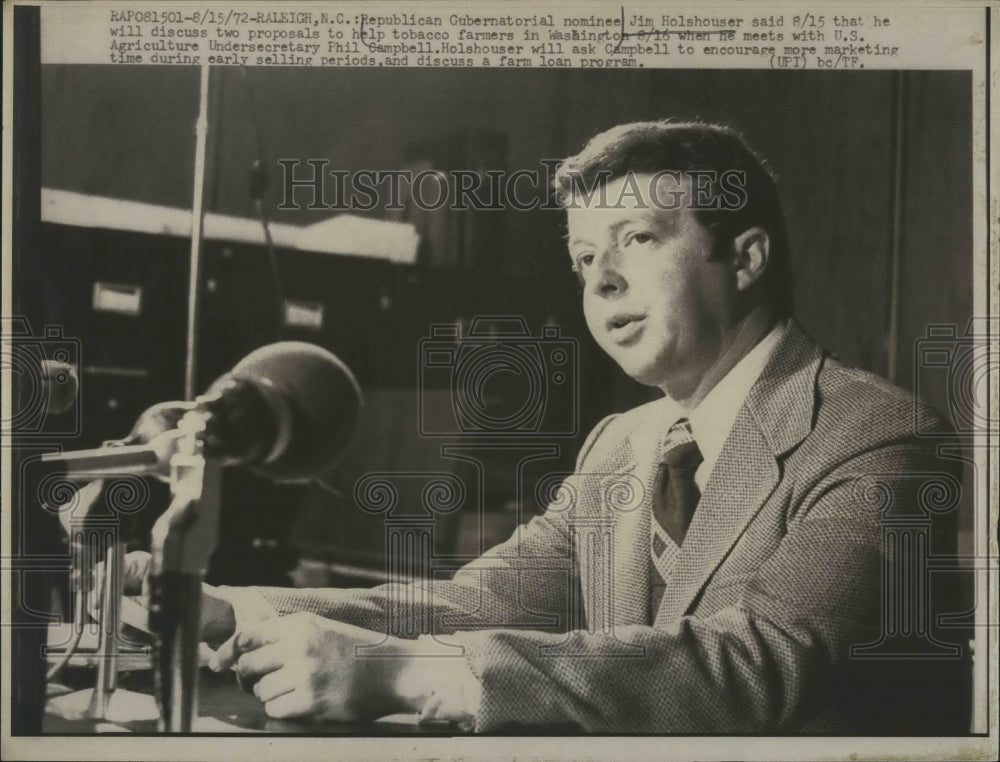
(258, 634)
(275, 684)
(260, 662)
(295, 703)
(225, 656)
(253, 637)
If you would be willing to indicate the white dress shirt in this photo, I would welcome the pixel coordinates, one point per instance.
(713, 418)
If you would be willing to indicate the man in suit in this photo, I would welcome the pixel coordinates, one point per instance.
(717, 561)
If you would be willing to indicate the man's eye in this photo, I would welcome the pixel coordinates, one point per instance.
(639, 238)
(584, 260)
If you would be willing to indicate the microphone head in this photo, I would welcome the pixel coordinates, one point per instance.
(316, 402)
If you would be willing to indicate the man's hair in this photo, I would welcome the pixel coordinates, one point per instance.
(711, 151)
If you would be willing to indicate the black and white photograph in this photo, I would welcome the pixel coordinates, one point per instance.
(411, 380)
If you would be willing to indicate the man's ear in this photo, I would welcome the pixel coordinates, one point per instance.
(751, 250)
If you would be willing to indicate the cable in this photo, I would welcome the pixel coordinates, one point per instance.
(79, 622)
(279, 291)
(56, 668)
(258, 183)
(329, 488)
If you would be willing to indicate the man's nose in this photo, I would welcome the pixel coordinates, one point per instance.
(610, 280)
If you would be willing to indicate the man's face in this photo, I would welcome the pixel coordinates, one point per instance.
(654, 297)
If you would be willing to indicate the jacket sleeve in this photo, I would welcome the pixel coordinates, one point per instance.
(523, 582)
(764, 664)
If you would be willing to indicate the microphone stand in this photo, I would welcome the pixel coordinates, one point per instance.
(107, 638)
(183, 540)
(90, 528)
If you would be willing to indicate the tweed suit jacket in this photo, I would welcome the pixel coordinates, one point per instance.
(780, 574)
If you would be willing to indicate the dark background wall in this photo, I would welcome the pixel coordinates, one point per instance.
(128, 132)
(874, 168)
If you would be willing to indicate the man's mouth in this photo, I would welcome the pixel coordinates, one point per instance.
(625, 329)
(618, 322)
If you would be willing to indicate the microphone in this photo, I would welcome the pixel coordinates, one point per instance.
(286, 411)
(60, 384)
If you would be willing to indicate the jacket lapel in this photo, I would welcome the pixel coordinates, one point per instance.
(631, 568)
(631, 464)
(722, 515)
(776, 416)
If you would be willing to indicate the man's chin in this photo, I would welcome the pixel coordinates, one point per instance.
(639, 364)
(643, 373)
(652, 375)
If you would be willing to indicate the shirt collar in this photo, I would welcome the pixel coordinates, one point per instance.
(715, 415)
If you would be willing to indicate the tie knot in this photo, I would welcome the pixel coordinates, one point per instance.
(681, 449)
(683, 456)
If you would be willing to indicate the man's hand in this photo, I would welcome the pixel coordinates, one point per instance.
(218, 622)
(305, 666)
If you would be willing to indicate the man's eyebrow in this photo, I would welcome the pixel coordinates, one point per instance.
(616, 227)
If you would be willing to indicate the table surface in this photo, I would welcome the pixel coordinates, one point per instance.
(224, 708)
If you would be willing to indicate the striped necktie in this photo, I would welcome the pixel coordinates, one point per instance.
(675, 497)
